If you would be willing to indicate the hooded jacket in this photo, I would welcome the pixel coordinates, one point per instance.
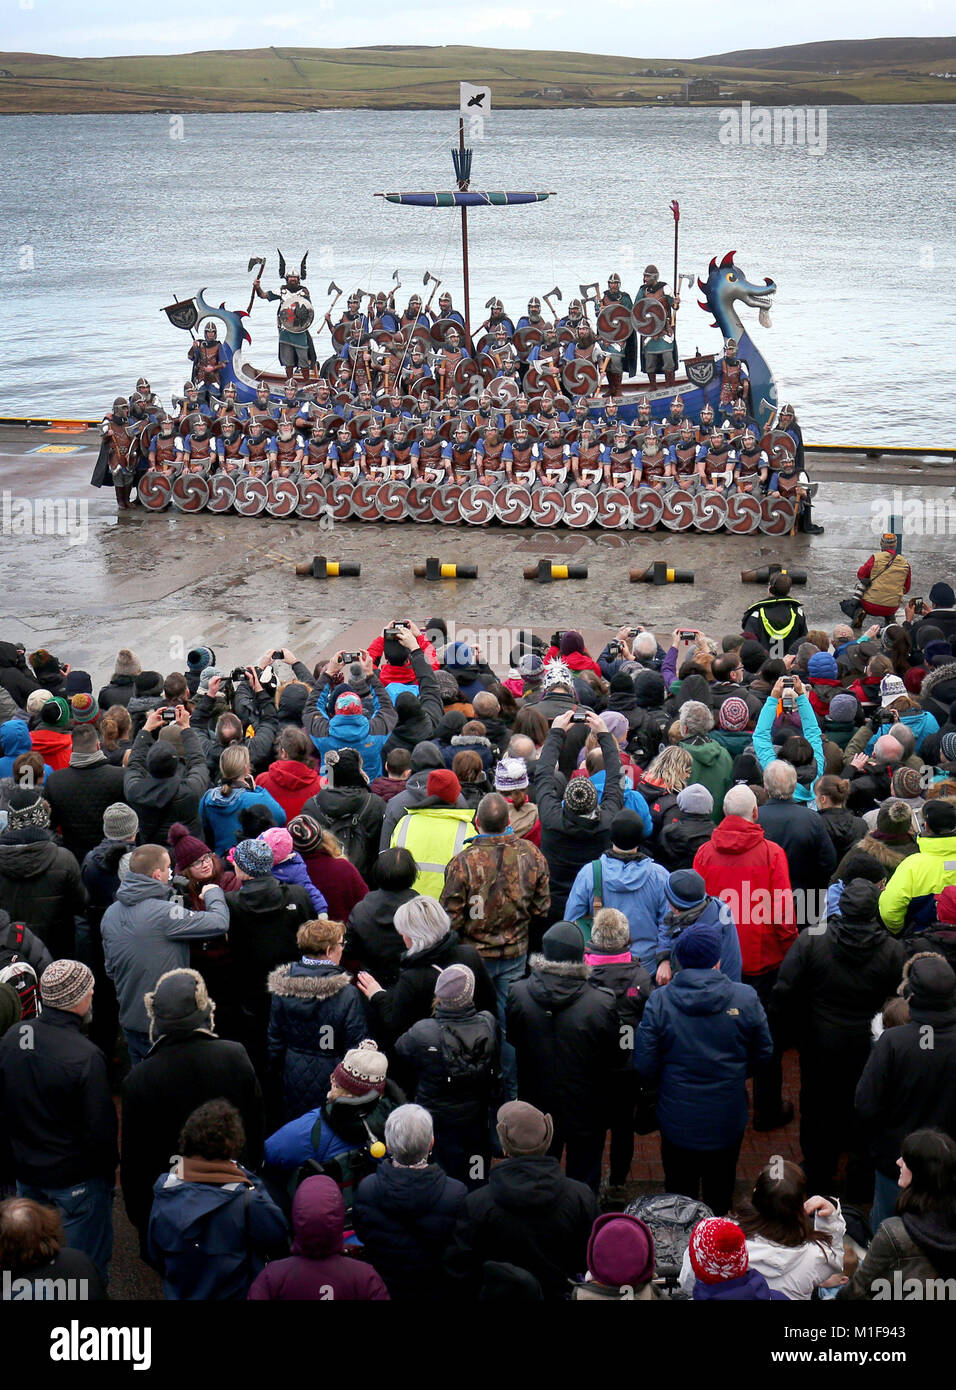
(765, 751)
(293, 870)
(906, 1085)
(937, 692)
(682, 837)
(315, 1018)
(161, 801)
(147, 932)
(908, 900)
(528, 1214)
(751, 874)
(564, 1031)
(367, 735)
(922, 723)
(181, 1072)
(211, 1238)
(355, 816)
(712, 766)
(699, 1039)
(404, 1218)
(318, 1269)
(570, 840)
(712, 912)
(264, 917)
(290, 783)
(449, 1065)
(634, 884)
(843, 827)
(15, 739)
(393, 1011)
(219, 813)
(832, 983)
(417, 715)
(40, 885)
(426, 757)
(54, 747)
(917, 1247)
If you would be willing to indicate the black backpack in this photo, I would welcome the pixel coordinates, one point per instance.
(18, 972)
(468, 1054)
(349, 832)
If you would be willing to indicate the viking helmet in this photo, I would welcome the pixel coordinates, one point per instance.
(210, 327)
(143, 385)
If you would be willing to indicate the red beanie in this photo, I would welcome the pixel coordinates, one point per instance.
(913, 679)
(187, 849)
(444, 784)
(718, 1250)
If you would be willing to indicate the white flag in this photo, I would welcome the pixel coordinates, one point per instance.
(474, 101)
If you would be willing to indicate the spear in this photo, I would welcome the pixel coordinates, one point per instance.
(675, 209)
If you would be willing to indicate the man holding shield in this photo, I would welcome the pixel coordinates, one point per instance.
(658, 349)
(294, 317)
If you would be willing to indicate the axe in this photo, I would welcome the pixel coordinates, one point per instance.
(435, 283)
(337, 291)
(553, 294)
(589, 298)
(259, 261)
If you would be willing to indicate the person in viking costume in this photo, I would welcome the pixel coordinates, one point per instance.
(208, 362)
(294, 317)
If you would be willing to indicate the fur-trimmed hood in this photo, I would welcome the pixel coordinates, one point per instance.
(569, 969)
(470, 741)
(889, 855)
(937, 675)
(308, 982)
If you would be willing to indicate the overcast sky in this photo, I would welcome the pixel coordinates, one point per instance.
(637, 28)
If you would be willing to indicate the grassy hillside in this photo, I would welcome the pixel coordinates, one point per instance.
(280, 79)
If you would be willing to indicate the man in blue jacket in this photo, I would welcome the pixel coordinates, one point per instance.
(630, 880)
(699, 1039)
(349, 726)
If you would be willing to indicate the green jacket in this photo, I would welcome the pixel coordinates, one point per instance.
(713, 768)
(909, 899)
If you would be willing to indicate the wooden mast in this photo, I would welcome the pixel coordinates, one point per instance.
(463, 186)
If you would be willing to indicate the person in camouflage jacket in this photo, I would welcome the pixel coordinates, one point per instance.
(496, 889)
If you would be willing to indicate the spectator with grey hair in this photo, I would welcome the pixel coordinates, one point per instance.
(799, 832)
(431, 945)
(405, 1212)
(871, 774)
(712, 766)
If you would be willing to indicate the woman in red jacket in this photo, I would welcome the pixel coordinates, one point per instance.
(573, 653)
(291, 779)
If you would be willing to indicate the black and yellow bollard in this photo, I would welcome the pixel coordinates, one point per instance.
(546, 571)
(765, 573)
(321, 568)
(434, 569)
(661, 573)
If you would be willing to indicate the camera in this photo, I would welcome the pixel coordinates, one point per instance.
(277, 656)
(579, 717)
(393, 632)
(168, 716)
(918, 605)
(686, 635)
(614, 650)
(788, 698)
(635, 631)
(238, 673)
(401, 622)
(346, 658)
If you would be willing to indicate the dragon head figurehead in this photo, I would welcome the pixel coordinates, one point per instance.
(725, 288)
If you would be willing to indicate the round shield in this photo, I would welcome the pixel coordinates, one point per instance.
(283, 497)
(512, 504)
(487, 366)
(447, 427)
(566, 334)
(296, 313)
(339, 494)
(710, 511)
(780, 447)
(614, 323)
(393, 501)
(440, 329)
(539, 378)
(649, 317)
(743, 513)
(504, 389)
(419, 502)
(190, 492)
(614, 509)
(580, 507)
(678, 510)
(222, 492)
(526, 338)
(414, 332)
(776, 516)
(477, 505)
(154, 490)
(312, 500)
(647, 508)
(252, 494)
(465, 372)
(580, 377)
(445, 503)
(547, 506)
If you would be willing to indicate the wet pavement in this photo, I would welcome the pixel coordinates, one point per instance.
(158, 582)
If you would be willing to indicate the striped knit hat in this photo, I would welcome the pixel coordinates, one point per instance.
(362, 1070)
(85, 709)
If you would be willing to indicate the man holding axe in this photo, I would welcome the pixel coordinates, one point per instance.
(294, 317)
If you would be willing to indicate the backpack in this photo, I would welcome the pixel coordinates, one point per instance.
(597, 879)
(671, 1219)
(469, 1061)
(20, 974)
(349, 832)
